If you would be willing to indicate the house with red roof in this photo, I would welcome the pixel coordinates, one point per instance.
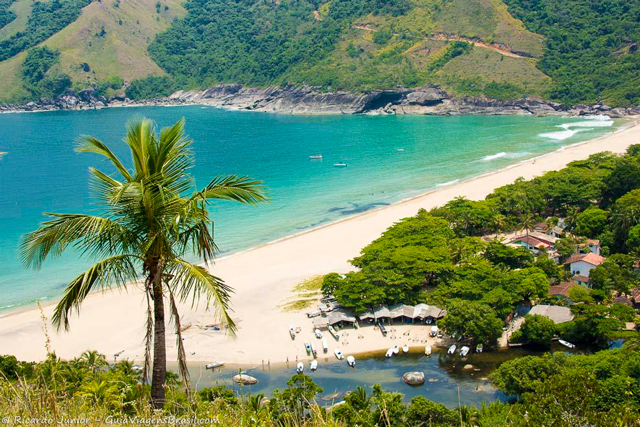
(582, 264)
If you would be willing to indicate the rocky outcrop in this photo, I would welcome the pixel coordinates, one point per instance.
(313, 100)
(245, 379)
(421, 101)
(413, 378)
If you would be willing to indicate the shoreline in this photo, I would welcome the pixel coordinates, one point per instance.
(631, 122)
(114, 320)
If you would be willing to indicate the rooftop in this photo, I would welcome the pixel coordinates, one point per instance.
(562, 288)
(589, 258)
(556, 313)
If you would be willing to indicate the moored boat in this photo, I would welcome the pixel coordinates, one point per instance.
(314, 365)
(325, 346)
(338, 354)
(464, 350)
(452, 349)
(567, 344)
(316, 157)
(333, 332)
(313, 350)
(427, 350)
(307, 347)
(351, 361)
(405, 348)
(214, 365)
(396, 350)
(292, 332)
(340, 165)
(434, 331)
(318, 333)
(389, 353)
(300, 367)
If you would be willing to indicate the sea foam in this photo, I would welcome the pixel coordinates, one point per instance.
(444, 184)
(494, 156)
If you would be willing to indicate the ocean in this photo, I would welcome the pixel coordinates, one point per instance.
(388, 158)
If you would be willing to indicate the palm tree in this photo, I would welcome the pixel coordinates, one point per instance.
(528, 223)
(150, 217)
(93, 360)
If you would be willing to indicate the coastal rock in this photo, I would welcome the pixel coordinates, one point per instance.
(468, 366)
(244, 379)
(413, 378)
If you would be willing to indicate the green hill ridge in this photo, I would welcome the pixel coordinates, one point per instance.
(570, 51)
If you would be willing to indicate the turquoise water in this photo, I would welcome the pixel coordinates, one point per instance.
(389, 158)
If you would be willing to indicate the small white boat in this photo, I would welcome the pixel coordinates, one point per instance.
(452, 349)
(314, 365)
(340, 165)
(313, 350)
(389, 353)
(396, 350)
(427, 350)
(434, 331)
(318, 333)
(351, 361)
(307, 347)
(338, 354)
(316, 157)
(325, 346)
(292, 332)
(300, 367)
(405, 348)
(464, 350)
(214, 365)
(334, 333)
(479, 348)
(138, 368)
(567, 344)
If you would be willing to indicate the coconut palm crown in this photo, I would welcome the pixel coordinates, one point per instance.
(150, 218)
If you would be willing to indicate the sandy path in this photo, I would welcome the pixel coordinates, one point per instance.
(263, 278)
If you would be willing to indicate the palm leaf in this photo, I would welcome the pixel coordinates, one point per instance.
(89, 144)
(233, 187)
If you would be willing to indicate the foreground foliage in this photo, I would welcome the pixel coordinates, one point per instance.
(598, 389)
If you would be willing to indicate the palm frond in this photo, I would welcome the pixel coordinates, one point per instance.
(89, 144)
(195, 281)
(89, 233)
(116, 270)
(233, 187)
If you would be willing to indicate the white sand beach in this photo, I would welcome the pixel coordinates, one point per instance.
(263, 279)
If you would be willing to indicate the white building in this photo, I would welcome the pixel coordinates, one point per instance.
(582, 264)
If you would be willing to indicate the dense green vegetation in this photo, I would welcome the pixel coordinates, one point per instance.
(37, 76)
(437, 257)
(592, 52)
(6, 15)
(46, 19)
(554, 389)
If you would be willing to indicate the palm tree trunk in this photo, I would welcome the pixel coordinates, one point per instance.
(159, 374)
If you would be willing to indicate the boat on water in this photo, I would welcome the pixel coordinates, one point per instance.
(318, 333)
(340, 165)
(396, 349)
(464, 350)
(314, 365)
(452, 349)
(325, 346)
(292, 332)
(479, 348)
(427, 350)
(300, 367)
(351, 361)
(567, 344)
(214, 365)
(307, 347)
(316, 157)
(333, 333)
(338, 354)
(405, 348)
(389, 353)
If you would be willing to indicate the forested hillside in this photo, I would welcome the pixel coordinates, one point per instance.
(571, 51)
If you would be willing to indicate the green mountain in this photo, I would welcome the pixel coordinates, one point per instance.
(571, 51)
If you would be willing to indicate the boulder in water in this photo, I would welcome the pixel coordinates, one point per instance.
(245, 379)
(468, 366)
(413, 378)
